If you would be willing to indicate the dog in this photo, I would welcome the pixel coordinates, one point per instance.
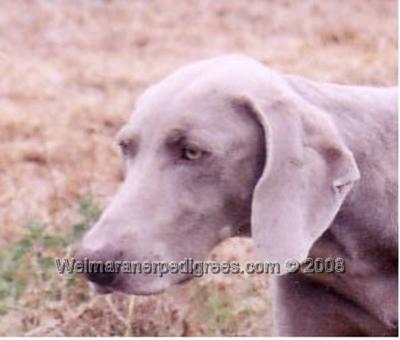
(227, 146)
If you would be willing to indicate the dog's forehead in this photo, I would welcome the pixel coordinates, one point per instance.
(188, 108)
(163, 121)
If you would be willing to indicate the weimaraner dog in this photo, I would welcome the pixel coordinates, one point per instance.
(310, 168)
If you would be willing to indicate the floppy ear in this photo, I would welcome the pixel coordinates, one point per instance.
(307, 174)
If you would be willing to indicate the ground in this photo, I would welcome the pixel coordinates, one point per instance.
(70, 74)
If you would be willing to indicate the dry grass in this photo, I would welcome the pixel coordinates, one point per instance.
(70, 73)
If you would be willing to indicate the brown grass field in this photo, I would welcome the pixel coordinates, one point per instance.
(70, 74)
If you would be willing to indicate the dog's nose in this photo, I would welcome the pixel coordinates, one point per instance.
(100, 266)
(100, 273)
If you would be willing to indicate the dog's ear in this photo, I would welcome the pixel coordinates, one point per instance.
(307, 173)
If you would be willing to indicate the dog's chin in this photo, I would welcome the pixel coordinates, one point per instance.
(102, 289)
(130, 288)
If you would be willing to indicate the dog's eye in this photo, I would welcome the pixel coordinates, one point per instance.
(124, 146)
(191, 154)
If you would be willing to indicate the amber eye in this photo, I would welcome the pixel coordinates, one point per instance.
(191, 154)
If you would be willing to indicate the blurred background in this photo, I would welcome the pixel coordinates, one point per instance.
(70, 72)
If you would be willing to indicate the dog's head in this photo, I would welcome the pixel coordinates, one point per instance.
(212, 148)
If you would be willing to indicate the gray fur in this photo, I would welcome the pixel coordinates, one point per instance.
(311, 166)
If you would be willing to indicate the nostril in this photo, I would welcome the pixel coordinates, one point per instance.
(101, 278)
(101, 264)
(100, 274)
